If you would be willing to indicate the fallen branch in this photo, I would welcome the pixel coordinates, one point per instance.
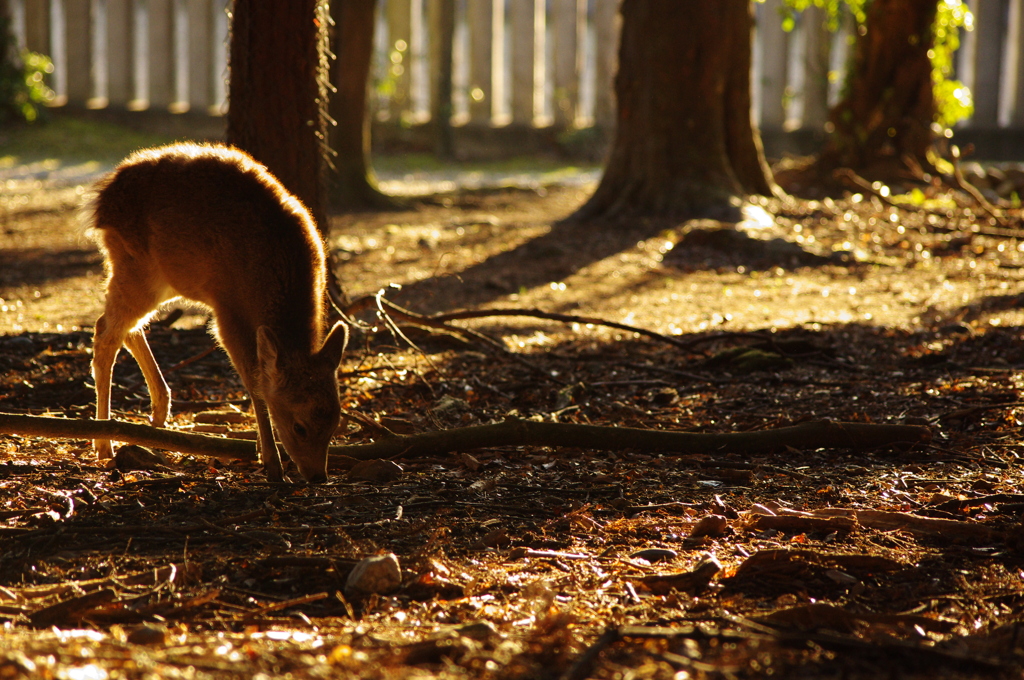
(959, 182)
(440, 321)
(882, 520)
(390, 313)
(464, 314)
(515, 432)
(71, 611)
(510, 432)
(278, 606)
(935, 527)
(971, 190)
(857, 182)
(131, 433)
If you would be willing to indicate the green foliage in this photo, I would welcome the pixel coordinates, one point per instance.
(834, 10)
(23, 88)
(953, 99)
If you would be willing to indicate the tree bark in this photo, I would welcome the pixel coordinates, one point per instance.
(353, 185)
(685, 145)
(882, 126)
(278, 93)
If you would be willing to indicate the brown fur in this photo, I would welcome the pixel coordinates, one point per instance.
(210, 224)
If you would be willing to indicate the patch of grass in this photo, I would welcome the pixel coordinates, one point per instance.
(72, 139)
(422, 162)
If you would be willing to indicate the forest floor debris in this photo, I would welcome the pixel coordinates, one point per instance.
(527, 561)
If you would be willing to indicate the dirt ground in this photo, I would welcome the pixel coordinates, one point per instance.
(834, 560)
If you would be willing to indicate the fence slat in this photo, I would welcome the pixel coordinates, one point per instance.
(567, 17)
(817, 41)
(1012, 86)
(17, 15)
(200, 43)
(118, 62)
(440, 29)
(98, 67)
(480, 21)
(773, 55)
(180, 50)
(219, 49)
(37, 26)
(160, 53)
(57, 43)
(78, 43)
(521, 20)
(984, 60)
(398, 14)
(606, 39)
(78, 55)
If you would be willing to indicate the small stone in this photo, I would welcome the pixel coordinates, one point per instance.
(147, 634)
(380, 574)
(653, 555)
(134, 457)
(19, 343)
(495, 538)
(448, 404)
(375, 471)
(666, 396)
(481, 630)
(712, 525)
(690, 581)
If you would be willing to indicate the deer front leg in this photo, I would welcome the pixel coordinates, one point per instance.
(269, 454)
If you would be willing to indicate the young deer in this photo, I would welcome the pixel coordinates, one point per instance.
(210, 224)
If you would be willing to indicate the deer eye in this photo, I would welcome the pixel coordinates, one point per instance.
(299, 429)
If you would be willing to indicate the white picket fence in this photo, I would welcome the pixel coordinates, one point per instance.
(536, 63)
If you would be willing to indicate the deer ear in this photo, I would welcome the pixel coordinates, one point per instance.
(335, 343)
(266, 348)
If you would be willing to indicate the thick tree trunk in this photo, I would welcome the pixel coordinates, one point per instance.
(353, 185)
(278, 93)
(685, 145)
(885, 118)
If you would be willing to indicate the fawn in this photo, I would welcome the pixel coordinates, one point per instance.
(210, 224)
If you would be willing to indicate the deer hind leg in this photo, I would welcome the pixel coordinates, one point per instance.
(126, 309)
(105, 346)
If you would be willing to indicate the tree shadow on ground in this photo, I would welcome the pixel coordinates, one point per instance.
(565, 249)
(570, 246)
(41, 265)
(981, 307)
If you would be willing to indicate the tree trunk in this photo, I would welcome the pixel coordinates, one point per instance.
(278, 93)
(353, 185)
(685, 145)
(882, 125)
